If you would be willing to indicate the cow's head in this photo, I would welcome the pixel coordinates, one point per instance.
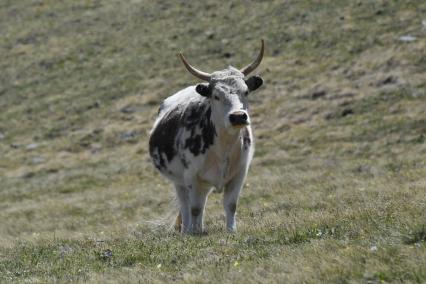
(227, 91)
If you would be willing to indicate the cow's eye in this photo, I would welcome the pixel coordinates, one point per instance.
(246, 93)
(216, 97)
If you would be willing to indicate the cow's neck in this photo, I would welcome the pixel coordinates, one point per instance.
(227, 140)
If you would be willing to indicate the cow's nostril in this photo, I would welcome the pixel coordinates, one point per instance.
(238, 118)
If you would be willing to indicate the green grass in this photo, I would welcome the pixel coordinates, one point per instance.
(336, 191)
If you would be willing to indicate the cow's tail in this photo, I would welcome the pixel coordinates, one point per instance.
(170, 221)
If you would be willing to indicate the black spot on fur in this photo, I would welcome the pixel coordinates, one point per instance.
(208, 131)
(197, 121)
(246, 139)
(194, 113)
(195, 211)
(193, 143)
(162, 140)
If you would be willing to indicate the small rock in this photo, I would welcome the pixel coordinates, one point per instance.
(84, 144)
(388, 80)
(95, 148)
(128, 109)
(210, 34)
(418, 93)
(420, 139)
(251, 240)
(318, 94)
(364, 169)
(31, 39)
(306, 150)
(128, 135)
(94, 105)
(32, 146)
(345, 103)
(329, 115)
(106, 254)
(373, 248)
(367, 169)
(28, 175)
(299, 120)
(407, 38)
(394, 109)
(97, 131)
(37, 160)
(65, 250)
(1, 135)
(46, 64)
(227, 55)
(52, 170)
(347, 111)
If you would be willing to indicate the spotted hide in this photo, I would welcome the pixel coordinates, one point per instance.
(202, 139)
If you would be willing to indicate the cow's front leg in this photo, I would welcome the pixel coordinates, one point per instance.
(230, 200)
(198, 198)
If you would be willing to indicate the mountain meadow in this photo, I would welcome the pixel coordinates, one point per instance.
(336, 192)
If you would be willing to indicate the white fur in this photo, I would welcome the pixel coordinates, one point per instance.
(223, 166)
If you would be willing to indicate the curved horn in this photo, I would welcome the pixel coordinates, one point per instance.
(194, 71)
(249, 68)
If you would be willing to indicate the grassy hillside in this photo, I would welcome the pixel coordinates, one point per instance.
(337, 188)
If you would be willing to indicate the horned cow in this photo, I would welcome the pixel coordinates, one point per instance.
(202, 139)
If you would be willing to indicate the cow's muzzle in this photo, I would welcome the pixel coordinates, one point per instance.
(238, 119)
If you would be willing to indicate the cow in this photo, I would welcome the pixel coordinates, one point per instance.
(202, 139)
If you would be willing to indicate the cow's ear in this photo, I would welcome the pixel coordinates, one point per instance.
(203, 89)
(254, 82)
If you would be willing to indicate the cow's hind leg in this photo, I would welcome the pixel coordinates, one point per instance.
(178, 222)
(183, 219)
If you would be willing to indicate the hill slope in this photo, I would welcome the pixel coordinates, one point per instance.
(336, 191)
